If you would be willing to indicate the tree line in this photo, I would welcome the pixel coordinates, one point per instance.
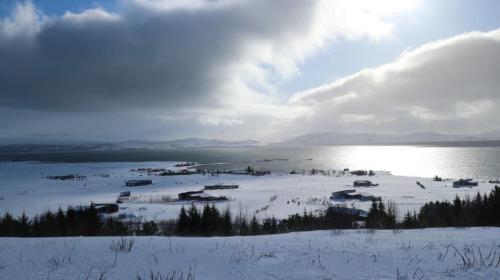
(210, 221)
(190, 222)
(72, 222)
(482, 210)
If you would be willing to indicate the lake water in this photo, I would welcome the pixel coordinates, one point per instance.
(426, 161)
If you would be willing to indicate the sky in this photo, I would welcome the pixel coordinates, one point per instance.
(75, 71)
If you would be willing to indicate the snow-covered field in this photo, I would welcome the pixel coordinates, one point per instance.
(24, 187)
(350, 254)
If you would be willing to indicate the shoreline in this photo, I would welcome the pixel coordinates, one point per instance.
(26, 188)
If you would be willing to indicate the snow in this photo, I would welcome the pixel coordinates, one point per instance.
(350, 254)
(24, 187)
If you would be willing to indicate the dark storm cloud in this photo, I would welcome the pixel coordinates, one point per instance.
(172, 58)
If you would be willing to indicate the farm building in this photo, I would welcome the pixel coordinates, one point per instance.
(125, 194)
(106, 208)
(465, 183)
(102, 208)
(221, 187)
(136, 183)
(353, 195)
(188, 195)
(345, 194)
(364, 183)
(199, 196)
(67, 177)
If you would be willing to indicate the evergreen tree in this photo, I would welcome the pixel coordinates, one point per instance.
(410, 220)
(60, 223)
(24, 225)
(149, 228)
(206, 221)
(254, 226)
(270, 226)
(227, 222)
(390, 218)
(36, 227)
(243, 226)
(71, 222)
(91, 221)
(182, 226)
(194, 220)
(373, 216)
(274, 225)
(7, 225)
(216, 220)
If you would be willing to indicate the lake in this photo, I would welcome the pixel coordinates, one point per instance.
(426, 161)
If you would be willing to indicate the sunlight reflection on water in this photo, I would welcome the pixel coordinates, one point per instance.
(424, 161)
(418, 161)
(454, 162)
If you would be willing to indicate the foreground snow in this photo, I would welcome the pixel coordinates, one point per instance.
(352, 254)
(24, 187)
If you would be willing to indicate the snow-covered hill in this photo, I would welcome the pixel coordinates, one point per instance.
(131, 144)
(184, 143)
(337, 138)
(466, 253)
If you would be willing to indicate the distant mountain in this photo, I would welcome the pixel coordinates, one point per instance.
(185, 143)
(131, 144)
(337, 138)
(491, 135)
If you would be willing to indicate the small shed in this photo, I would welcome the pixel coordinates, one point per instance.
(199, 196)
(106, 208)
(353, 195)
(221, 187)
(189, 195)
(137, 183)
(364, 183)
(125, 194)
(345, 194)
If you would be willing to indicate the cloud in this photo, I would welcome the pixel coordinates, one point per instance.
(220, 121)
(24, 21)
(212, 60)
(90, 15)
(449, 85)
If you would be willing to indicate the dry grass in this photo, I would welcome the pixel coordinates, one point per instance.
(124, 244)
(152, 199)
(174, 275)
